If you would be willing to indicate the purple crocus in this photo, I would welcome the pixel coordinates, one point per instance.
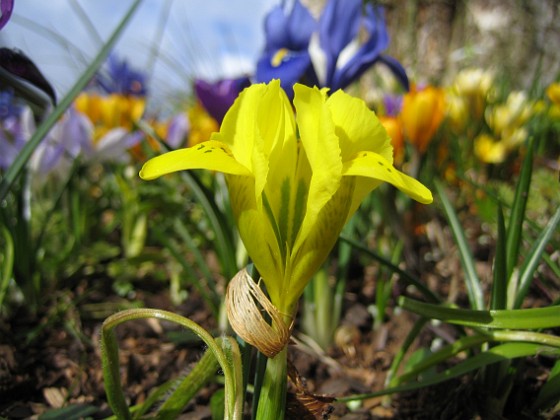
(16, 127)
(217, 97)
(328, 53)
(6, 8)
(121, 78)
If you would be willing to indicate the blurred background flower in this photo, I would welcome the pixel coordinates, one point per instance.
(331, 52)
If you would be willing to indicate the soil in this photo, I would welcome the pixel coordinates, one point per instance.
(52, 360)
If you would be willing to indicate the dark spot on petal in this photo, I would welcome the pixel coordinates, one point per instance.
(208, 151)
(381, 163)
(200, 147)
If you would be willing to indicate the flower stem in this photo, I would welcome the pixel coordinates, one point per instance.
(272, 400)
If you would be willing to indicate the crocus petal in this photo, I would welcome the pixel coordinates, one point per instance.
(6, 7)
(375, 166)
(212, 155)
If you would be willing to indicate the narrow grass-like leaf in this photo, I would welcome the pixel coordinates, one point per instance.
(531, 319)
(474, 288)
(188, 387)
(392, 379)
(224, 240)
(174, 249)
(533, 258)
(517, 215)
(500, 281)
(7, 263)
(405, 276)
(43, 129)
(549, 394)
(496, 354)
(110, 359)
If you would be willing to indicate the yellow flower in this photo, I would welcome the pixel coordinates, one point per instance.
(202, 125)
(474, 85)
(553, 93)
(422, 114)
(514, 113)
(293, 189)
(394, 130)
(110, 111)
(489, 150)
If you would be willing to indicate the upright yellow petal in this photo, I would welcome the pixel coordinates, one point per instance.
(357, 127)
(321, 146)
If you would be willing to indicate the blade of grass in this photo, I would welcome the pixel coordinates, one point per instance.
(7, 263)
(517, 214)
(496, 354)
(26, 152)
(531, 319)
(499, 283)
(407, 277)
(474, 288)
(532, 260)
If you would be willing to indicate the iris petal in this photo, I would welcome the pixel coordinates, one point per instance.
(212, 155)
(375, 166)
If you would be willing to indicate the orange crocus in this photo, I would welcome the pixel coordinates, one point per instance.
(422, 113)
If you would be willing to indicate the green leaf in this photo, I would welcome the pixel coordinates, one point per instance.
(531, 319)
(496, 354)
(533, 258)
(43, 129)
(500, 279)
(517, 214)
(549, 394)
(474, 288)
(405, 276)
(7, 263)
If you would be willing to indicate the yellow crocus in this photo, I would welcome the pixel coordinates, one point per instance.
(293, 181)
(111, 111)
(422, 113)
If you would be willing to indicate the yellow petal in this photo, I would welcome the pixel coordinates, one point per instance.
(319, 140)
(374, 166)
(212, 155)
(357, 127)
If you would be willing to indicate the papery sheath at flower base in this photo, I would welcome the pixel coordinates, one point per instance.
(293, 181)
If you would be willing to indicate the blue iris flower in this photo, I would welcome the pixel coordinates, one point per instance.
(121, 78)
(331, 52)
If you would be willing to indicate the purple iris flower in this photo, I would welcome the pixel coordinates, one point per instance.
(16, 127)
(218, 97)
(286, 57)
(6, 8)
(392, 105)
(121, 78)
(333, 51)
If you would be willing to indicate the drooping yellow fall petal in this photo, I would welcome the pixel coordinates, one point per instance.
(212, 155)
(372, 165)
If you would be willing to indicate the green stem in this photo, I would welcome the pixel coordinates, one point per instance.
(272, 400)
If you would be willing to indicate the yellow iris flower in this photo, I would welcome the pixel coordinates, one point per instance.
(293, 181)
